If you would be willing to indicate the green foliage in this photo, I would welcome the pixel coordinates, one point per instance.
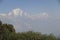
(7, 32)
(34, 36)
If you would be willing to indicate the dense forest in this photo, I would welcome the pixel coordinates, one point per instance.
(7, 32)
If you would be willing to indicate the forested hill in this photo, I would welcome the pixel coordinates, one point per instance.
(7, 32)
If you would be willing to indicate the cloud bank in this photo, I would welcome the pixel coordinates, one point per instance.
(19, 13)
(23, 21)
(39, 16)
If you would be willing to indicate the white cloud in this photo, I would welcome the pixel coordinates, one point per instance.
(9, 14)
(38, 16)
(18, 12)
(15, 12)
(3, 14)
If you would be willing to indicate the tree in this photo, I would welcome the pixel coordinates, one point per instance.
(51, 37)
(6, 30)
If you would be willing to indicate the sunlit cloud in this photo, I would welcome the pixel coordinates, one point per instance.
(17, 12)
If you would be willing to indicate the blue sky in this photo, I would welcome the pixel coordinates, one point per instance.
(37, 15)
(31, 6)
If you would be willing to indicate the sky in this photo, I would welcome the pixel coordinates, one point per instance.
(32, 15)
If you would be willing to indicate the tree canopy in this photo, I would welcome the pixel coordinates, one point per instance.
(7, 32)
